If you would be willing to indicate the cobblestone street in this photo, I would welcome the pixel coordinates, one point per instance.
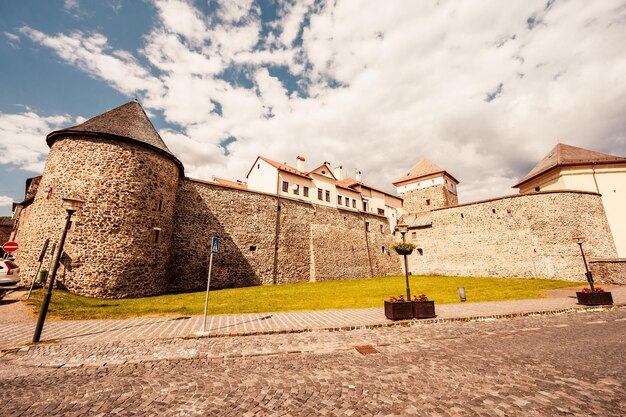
(567, 364)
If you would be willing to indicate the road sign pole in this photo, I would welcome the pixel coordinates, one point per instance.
(41, 256)
(208, 287)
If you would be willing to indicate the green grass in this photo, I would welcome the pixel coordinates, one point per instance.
(290, 297)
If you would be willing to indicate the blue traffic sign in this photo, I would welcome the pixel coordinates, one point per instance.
(215, 243)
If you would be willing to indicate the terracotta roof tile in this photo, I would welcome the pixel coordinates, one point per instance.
(568, 155)
(231, 184)
(423, 168)
(284, 167)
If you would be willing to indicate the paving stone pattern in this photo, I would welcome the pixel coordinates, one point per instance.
(568, 364)
(299, 321)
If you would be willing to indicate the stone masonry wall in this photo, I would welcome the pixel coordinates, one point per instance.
(314, 242)
(110, 249)
(529, 235)
(439, 196)
(608, 271)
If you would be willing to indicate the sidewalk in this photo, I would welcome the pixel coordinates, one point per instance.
(15, 334)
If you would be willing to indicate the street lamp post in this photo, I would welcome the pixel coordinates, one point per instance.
(588, 273)
(71, 205)
(403, 229)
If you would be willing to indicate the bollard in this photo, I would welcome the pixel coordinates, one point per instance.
(461, 291)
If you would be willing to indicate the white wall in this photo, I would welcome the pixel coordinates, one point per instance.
(418, 184)
(263, 177)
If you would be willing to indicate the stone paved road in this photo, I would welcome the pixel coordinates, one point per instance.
(151, 328)
(569, 364)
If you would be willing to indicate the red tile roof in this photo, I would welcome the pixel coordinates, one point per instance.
(568, 155)
(423, 168)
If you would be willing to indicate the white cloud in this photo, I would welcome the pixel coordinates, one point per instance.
(22, 138)
(71, 5)
(386, 86)
(92, 54)
(5, 201)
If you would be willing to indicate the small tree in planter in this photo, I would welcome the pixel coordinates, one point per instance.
(397, 308)
(423, 308)
(594, 297)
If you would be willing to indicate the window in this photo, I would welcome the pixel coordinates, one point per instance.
(367, 226)
(285, 186)
(319, 193)
(427, 202)
(364, 205)
(383, 249)
(381, 211)
(296, 189)
(493, 211)
(305, 191)
(252, 248)
(156, 234)
(382, 228)
(353, 203)
(413, 235)
(420, 251)
(339, 199)
(537, 189)
(328, 196)
(347, 202)
(258, 166)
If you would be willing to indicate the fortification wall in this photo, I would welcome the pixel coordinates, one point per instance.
(608, 271)
(110, 249)
(530, 235)
(301, 242)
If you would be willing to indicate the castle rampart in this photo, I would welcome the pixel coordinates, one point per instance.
(531, 235)
(262, 244)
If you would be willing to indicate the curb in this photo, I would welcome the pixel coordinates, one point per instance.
(416, 322)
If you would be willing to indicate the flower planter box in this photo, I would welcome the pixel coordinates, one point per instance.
(404, 251)
(423, 309)
(594, 298)
(400, 310)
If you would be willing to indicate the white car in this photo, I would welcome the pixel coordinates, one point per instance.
(9, 273)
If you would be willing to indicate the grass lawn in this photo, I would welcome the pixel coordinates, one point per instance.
(289, 297)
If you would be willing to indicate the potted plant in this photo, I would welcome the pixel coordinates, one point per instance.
(423, 308)
(397, 308)
(403, 248)
(598, 297)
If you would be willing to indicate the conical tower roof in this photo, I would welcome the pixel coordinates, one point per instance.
(127, 123)
(568, 155)
(423, 168)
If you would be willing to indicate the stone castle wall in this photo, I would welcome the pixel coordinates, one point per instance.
(110, 249)
(608, 271)
(416, 200)
(300, 242)
(530, 235)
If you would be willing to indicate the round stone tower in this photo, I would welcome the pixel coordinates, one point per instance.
(120, 240)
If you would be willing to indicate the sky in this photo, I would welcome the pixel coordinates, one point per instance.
(482, 88)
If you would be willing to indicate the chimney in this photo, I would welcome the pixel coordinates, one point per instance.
(300, 163)
(357, 175)
(339, 173)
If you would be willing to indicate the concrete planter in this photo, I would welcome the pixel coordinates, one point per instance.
(400, 310)
(424, 309)
(594, 298)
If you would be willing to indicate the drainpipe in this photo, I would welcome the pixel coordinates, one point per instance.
(593, 170)
(367, 243)
(277, 231)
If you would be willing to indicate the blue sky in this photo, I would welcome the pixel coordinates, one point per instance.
(482, 89)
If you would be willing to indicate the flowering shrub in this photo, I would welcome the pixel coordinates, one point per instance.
(404, 248)
(598, 289)
(397, 299)
(421, 297)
